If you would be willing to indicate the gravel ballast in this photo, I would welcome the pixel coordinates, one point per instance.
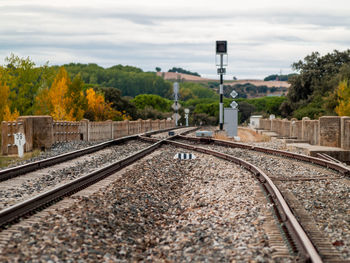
(326, 196)
(162, 209)
(23, 187)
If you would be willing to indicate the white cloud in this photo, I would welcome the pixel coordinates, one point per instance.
(263, 36)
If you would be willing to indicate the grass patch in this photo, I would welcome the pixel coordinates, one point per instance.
(12, 159)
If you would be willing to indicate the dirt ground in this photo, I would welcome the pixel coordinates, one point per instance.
(245, 135)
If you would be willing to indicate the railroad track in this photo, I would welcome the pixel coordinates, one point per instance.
(299, 241)
(302, 180)
(28, 181)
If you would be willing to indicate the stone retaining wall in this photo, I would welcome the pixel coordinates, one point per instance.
(41, 131)
(333, 131)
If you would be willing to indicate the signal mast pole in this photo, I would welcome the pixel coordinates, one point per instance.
(221, 49)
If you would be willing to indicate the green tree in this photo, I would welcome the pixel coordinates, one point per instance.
(317, 77)
(153, 101)
(24, 80)
(181, 70)
(78, 101)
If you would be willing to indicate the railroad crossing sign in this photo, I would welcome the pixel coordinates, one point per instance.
(233, 94)
(234, 105)
(174, 106)
(19, 140)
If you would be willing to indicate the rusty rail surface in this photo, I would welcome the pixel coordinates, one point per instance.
(322, 162)
(305, 247)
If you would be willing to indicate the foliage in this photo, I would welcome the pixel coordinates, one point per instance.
(154, 101)
(119, 103)
(151, 113)
(279, 77)
(5, 113)
(181, 70)
(343, 92)
(250, 90)
(245, 111)
(66, 100)
(77, 101)
(268, 105)
(318, 77)
(98, 109)
(57, 97)
(190, 90)
(131, 81)
(24, 80)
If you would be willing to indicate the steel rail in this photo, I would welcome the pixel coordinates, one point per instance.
(300, 238)
(28, 206)
(325, 163)
(30, 167)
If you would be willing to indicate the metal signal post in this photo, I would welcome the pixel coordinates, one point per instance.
(221, 49)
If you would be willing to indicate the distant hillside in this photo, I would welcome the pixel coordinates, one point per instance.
(255, 82)
(247, 88)
(181, 77)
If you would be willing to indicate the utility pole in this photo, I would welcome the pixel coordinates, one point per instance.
(221, 50)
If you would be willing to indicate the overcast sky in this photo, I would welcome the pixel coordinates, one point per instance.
(263, 36)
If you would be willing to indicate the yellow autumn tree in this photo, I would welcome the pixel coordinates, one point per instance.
(55, 101)
(98, 109)
(5, 112)
(343, 92)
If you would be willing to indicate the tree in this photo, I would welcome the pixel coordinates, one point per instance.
(77, 101)
(317, 75)
(98, 109)
(158, 69)
(24, 80)
(153, 101)
(119, 103)
(181, 70)
(58, 98)
(5, 112)
(343, 92)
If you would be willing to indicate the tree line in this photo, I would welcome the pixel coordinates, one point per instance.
(321, 86)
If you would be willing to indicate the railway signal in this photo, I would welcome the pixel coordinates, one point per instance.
(221, 50)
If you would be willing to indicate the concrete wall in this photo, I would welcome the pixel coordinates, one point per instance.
(265, 124)
(41, 131)
(310, 131)
(66, 131)
(345, 133)
(330, 131)
(285, 128)
(276, 125)
(8, 129)
(296, 129)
